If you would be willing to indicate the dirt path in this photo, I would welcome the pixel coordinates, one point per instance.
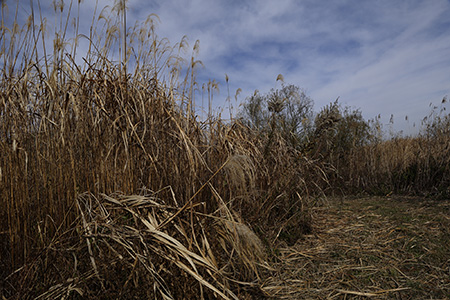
(378, 248)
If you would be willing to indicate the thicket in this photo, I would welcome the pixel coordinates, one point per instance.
(356, 155)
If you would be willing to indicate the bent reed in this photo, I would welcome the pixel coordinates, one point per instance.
(111, 185)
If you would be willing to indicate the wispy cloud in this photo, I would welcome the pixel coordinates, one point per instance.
(385, 57)
(381, 56)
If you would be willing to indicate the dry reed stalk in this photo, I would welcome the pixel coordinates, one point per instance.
(71, 134)
(158, 249)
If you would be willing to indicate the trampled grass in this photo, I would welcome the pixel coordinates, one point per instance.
(376, 248)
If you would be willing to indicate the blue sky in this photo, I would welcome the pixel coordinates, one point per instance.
(382, 56)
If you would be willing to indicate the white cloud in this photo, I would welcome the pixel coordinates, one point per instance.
(388, 57)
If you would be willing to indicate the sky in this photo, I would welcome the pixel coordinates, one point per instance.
(384, 57)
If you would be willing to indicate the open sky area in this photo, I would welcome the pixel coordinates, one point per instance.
(383, 57)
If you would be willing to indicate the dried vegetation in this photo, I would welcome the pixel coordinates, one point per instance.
(111, 186)
(370, 248)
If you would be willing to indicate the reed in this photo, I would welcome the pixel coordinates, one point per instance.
(367, 160)
(110, 185)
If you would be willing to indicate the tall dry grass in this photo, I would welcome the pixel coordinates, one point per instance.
(415, 165)
(110, 185)
(363, 160)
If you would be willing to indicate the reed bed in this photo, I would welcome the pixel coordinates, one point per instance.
(411, 166)
(359, 157)
(111, 185)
